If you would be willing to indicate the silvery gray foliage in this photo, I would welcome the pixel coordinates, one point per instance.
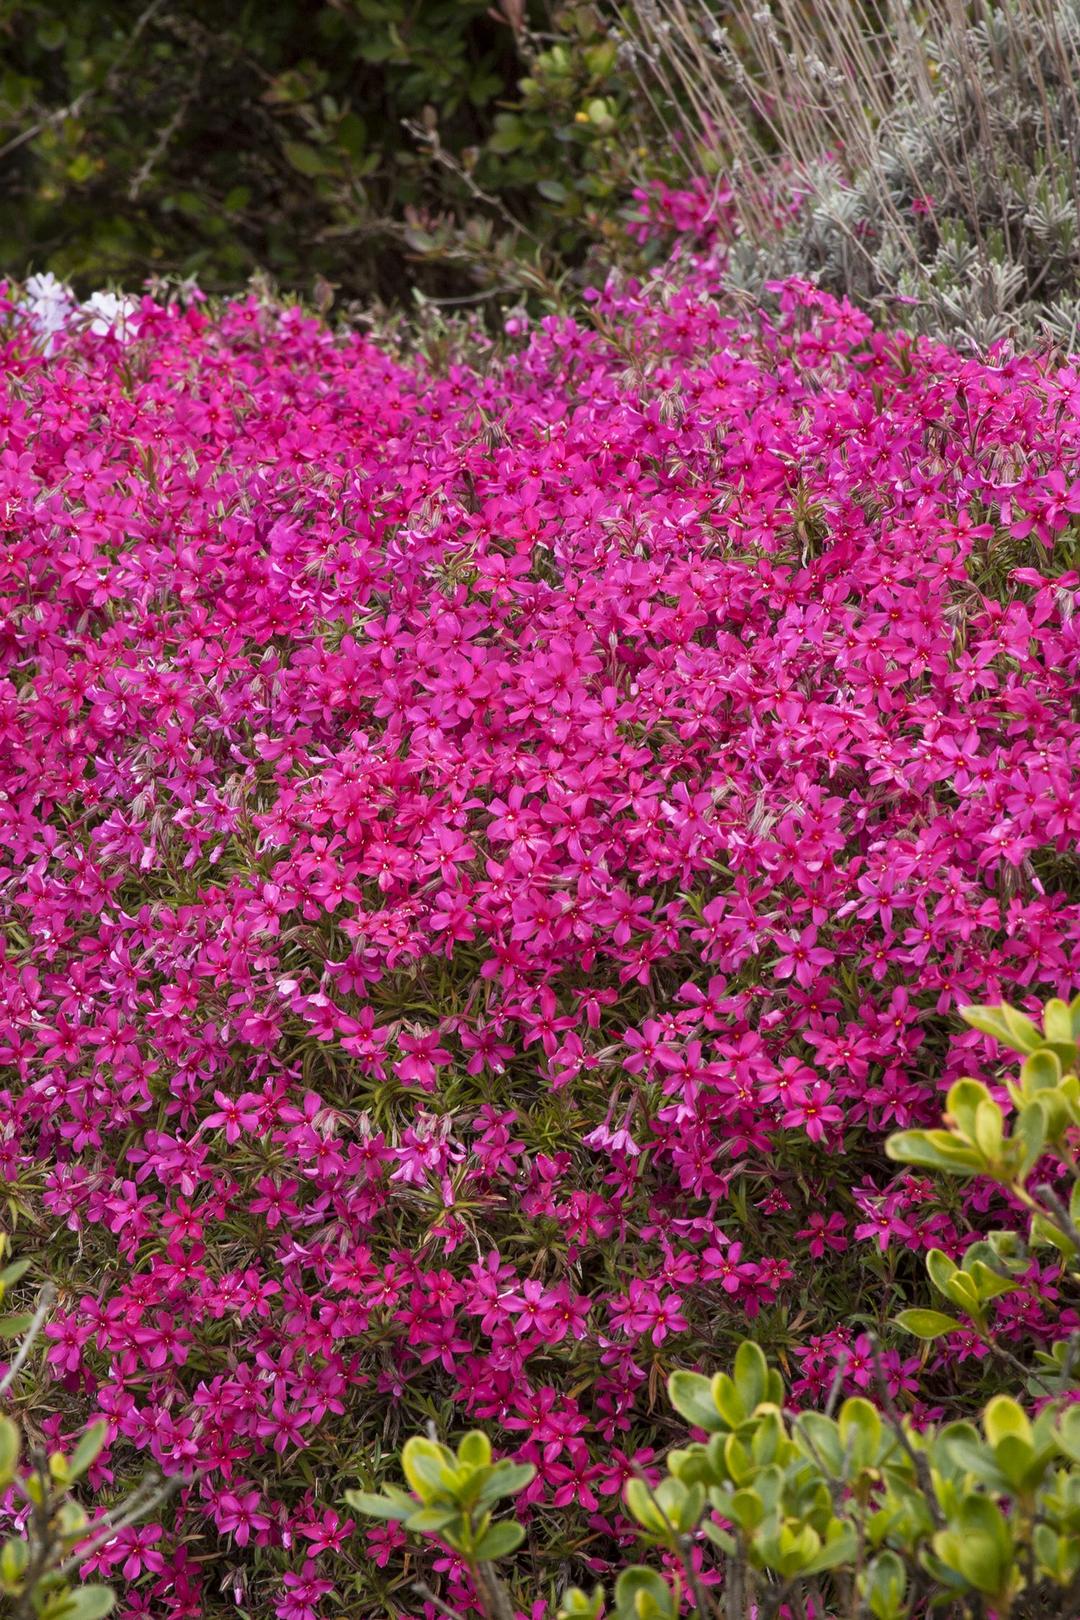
(960, 214)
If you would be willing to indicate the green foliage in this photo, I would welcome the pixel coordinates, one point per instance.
(39, 1565)
(858, 1511)
(861, 1505)
(452, 1496)
(1040, 1138)
(359, 145)
(466, 149)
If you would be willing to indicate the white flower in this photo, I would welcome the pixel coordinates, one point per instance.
(109, 312)
(49, 305)
(44, 288)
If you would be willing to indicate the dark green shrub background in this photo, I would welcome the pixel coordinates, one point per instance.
(213, 139)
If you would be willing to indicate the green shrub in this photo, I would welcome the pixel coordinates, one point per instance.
(362, 145)
(861, 1514)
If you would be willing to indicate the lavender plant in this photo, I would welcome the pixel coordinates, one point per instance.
(922, 160)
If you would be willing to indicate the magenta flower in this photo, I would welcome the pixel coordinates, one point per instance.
(462, 834)
(237, 1515)
(801, 956)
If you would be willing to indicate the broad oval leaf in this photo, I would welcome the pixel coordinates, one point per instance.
(9, 1450)
(928, 1324)
(691, 1395)
(378, 1507)
(499, 1539)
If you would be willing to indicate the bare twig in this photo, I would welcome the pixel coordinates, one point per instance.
(148, 1495)
(684, 1547)
(108, 84)
(430, 139)
(424, 1591)
(493, 1593)
(837, 1383)
(1059, 1215)
(146, 167)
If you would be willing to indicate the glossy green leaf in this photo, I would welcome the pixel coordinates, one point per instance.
(378, 1507)
(727, 1400)
(751, 1374)
(89, 1448)
(821, 1438)
(988, 1283)
(14, 1557)
(1041, 1071)
(507, 1478)
(1004, 1416)
(747, 1510)
(1004, 1024)
(639, 1500)
(928, 1324)
(978, 1545)
(838, 1548)
(884, 1586)
(933, 1150)
(424, 1463)
(1058, 1022)
(577, 1605)
(430, 1520)
(499, 1539)
(989, 1129)
(859, 1424)
(87, 1603)
(691, 1396)
(643, 1594)
(1068, 1432)
(475, 1449)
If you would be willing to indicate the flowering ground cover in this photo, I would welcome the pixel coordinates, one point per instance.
(489, 849)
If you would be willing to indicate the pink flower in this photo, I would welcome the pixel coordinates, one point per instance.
(824, 1231)
(237, 1515)
(801, 956)
(462, 826)
(303, 1592)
